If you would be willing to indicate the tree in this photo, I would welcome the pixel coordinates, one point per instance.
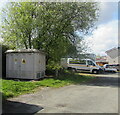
(48, 26)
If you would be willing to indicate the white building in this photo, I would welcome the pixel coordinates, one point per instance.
(113, 55)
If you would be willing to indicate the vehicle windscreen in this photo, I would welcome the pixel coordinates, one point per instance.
(90, 63)
(110, 66)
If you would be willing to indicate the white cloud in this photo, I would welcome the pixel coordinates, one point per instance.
(108, 11)
(104, 37)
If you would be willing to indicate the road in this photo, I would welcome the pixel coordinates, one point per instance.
(97, 96)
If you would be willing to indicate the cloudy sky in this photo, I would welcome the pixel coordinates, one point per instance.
(105, 36)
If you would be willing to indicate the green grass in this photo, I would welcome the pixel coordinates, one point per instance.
(11, 88)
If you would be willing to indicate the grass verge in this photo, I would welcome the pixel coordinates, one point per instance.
(11, 88)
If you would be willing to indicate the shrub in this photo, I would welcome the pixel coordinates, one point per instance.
(53, 68)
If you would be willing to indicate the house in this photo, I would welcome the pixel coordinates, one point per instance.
(101, 60)
(113, 55)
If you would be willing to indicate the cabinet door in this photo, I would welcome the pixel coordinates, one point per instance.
(9, 64)
(27, 65)
(19, 66)
(16, 67)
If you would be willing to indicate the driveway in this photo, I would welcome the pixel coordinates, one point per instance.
(97, 96)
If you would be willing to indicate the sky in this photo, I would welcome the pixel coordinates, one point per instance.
(105, 36)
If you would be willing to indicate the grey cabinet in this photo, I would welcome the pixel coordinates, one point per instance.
(25, 64)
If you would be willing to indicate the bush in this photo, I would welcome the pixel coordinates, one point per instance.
(53, 68)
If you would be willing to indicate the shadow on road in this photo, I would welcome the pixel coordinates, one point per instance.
(10, 107)
(104, 81)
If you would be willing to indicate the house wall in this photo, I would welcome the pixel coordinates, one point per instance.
(113, 56)
(113, 60)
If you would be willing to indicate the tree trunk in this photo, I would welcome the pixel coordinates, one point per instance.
(25, 45)
(29, 40)
(56, 73)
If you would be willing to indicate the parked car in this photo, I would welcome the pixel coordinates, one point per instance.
(109, 68)
(117, 66)
(86, 65)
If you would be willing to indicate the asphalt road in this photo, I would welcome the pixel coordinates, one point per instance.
(97, 96)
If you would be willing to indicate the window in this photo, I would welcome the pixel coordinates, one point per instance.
(90, 63)
(109, 66)
(72, 61)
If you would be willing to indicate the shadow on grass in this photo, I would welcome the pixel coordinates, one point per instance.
(75, 78)
(10, 107)
(90, 80)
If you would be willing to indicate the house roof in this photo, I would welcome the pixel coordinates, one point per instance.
(111, 50)
(114, 52)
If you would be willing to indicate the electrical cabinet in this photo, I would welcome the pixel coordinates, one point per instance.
(25, 64)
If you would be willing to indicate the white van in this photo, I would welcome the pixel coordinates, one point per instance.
(76, 64)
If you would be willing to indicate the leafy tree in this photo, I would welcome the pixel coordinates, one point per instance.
(48, 26)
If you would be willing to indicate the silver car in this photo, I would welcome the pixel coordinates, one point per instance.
(109, 68)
